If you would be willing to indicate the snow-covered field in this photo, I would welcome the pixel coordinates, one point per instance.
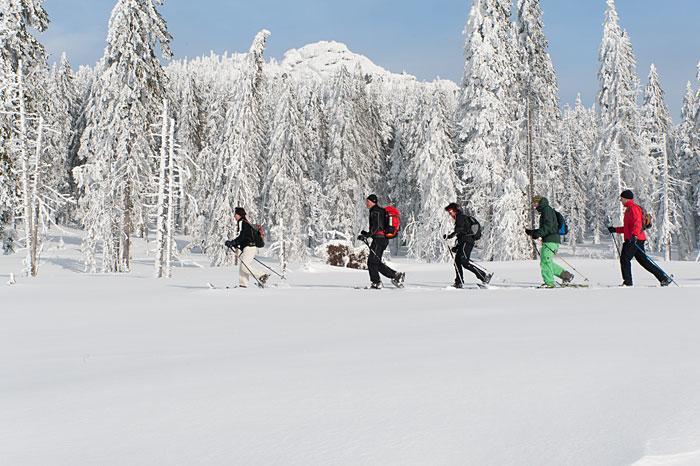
(130, 370)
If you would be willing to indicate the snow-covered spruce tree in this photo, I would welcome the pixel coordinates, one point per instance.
(669, 201)
(485, 115)
(619, 119)
(283, 192)
(62, 115)
(575, 159)
(189, 134)
(316, 118)
(436, 180)
(117, 145)
(408, 139)
(688, 156)
(355, 154)
(538, 91)
(241, 151)
(17, 44)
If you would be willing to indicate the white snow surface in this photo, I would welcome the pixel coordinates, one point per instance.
(128, 369)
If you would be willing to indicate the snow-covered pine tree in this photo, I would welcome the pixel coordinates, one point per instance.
(354, 154)
(62, 115)
(575, 147)
(619, 115)
(436, 180)
(538, 91)
(190, 134)
(486, 112)
(688, 156)
(117, 145)
(669, 201)
(17, 44)
(316, 118)
(283, 192)
(242, 148)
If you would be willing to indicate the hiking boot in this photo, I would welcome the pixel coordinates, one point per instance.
(666, 281)
(376, 286)
(546, 286)
(566, 277)
(458, 285)
(398, 279)
(263, 279)
(487, 278)
(624, 285)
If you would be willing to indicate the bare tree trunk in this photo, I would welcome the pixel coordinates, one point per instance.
(26, 200)
(170, 224)
(160, 216)
(35, 202)
(125, 242)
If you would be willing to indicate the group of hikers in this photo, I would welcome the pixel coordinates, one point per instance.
(383, 226)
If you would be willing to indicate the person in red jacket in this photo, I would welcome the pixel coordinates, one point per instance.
(633, 247)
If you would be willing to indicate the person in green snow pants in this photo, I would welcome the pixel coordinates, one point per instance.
(549, 232)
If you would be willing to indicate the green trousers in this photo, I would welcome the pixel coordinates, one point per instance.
(547, 265)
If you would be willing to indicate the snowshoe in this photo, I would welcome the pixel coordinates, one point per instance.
(263, 280)
(546, 286)
(398, 279)
(375, 286)
(566, 277)
(458, 285)
(487, 278)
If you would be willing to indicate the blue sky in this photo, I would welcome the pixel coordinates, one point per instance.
(422, 37)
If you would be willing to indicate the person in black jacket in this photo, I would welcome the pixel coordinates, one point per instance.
(245, 241)
(464, 232)
(377, 218)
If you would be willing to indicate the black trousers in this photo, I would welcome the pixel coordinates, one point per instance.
(629, 251)
(374, 261)
(463, 259)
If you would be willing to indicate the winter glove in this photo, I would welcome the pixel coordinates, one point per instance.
(455, 249)
(229, 244)
(529, 232)
(612, 230)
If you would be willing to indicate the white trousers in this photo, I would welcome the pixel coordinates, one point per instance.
(247, 265)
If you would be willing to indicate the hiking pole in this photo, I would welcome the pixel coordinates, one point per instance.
(454, 263)
(564, 261)
(248, 269)
(617, 246)
(670, 277)
(270, 268)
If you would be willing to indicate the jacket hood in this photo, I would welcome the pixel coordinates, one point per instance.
(543, 203)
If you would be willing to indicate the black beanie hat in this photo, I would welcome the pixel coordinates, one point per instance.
(452, 206)
(373, 198)
(240, 211)
(627, 194)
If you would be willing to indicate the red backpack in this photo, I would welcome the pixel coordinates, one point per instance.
(392, 222)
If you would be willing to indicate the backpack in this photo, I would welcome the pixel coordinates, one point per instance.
(646, 219)
(259, 235)
(561, 223)
(475, 227)
(392, 222)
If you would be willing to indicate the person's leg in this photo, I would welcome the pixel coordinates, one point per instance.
(373, 262)
(557, 269)
(479, 273)
(243, 271)
(645, 262)
(459, 260)
(384, 269)
(248, 264)
(626, 255)
(546, 256)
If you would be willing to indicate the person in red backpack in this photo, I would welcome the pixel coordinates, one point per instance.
(635, 237)
(377, 219)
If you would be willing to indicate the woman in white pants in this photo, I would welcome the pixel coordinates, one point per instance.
(246, 243)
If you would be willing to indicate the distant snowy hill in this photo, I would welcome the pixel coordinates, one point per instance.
(321, 60)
